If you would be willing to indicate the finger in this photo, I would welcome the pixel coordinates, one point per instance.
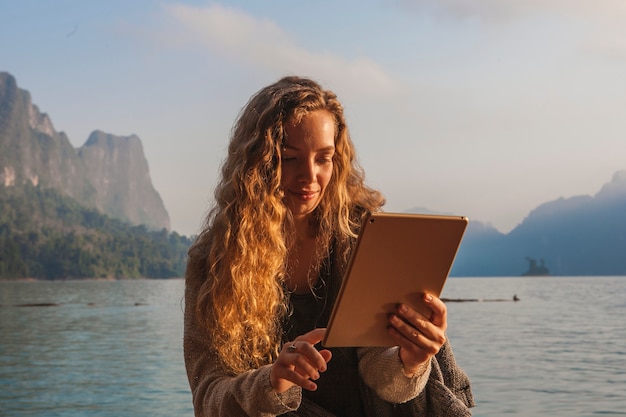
(294, 367)
(294, 376)
(296, 357)
(303, 366)
(410, 320)
(314, 336)
(326, 354)
(417, 328)
(318, 358)
(300, 349)
(439, 316)
(419, 336)
(416, 352)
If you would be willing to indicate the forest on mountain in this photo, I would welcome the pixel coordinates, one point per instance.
(68, 213)
(46, 235)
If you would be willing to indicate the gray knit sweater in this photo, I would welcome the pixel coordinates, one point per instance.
(216, 392)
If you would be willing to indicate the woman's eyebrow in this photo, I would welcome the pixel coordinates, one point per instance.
(289, 147)
(295, 148)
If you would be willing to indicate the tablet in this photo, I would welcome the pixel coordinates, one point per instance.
(397, 258)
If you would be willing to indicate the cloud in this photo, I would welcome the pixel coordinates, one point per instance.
(603, 22)
(492, 10)
(238, 36)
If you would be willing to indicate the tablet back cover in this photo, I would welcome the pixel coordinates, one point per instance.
(397, 258)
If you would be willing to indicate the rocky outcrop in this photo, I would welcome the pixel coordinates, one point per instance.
(109, 173)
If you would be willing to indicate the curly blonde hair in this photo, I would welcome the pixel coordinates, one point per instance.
(241, 255)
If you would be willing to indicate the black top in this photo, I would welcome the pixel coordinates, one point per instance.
(338, 387)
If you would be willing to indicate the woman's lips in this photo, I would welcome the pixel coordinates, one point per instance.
(304, 195)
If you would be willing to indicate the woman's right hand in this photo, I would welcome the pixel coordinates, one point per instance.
(300, 363)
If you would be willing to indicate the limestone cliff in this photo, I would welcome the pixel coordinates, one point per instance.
(109, 173)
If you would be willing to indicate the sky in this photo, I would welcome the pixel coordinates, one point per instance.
(481, 108)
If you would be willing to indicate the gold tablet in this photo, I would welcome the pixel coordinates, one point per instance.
(397, 258)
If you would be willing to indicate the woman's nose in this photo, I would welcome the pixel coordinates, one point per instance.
(306, 172)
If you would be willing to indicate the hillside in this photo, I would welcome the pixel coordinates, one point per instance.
(46, 235)
(70, 213)
(109, 173)
(582, 235)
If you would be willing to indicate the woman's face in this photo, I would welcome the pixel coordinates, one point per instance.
(307, 161)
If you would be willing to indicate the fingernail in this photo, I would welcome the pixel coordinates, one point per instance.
(428, 297)
(403, 308)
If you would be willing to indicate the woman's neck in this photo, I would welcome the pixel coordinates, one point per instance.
(302, 271)
(303, 229)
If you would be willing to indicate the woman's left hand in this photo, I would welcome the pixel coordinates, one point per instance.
(419, 337)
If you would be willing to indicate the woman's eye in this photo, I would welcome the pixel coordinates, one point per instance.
(327, 159)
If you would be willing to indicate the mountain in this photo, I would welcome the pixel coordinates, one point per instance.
(119, 172)
(108, 173)
(47, 235)
(44, 232)
(582, 235)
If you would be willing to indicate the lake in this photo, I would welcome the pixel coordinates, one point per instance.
(114, 348)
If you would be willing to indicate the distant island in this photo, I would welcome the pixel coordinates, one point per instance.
(535, 270)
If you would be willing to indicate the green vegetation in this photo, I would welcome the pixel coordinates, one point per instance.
(45, 235)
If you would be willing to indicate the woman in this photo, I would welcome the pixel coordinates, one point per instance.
(263, 275)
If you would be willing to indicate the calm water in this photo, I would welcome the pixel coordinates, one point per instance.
(115, 348)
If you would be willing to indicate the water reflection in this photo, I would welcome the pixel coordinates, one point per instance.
(115, 348)
(109, 349)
